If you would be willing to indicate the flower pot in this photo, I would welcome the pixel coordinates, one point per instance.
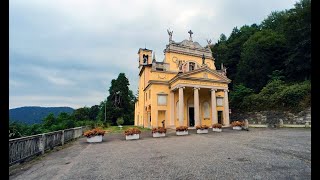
(216, 129)
(181, 133)
(202, 131)
(134, 136)
(94, 139)
(237, 127)
(158, 134)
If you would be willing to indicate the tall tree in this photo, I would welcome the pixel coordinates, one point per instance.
(120, 102)
(298, 35)
(93, 112)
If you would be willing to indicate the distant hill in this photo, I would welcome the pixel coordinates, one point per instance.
(35, 114)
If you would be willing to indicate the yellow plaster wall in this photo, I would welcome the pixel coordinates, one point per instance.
(155, 89)
(161, 116)
(170, 57)
(161, 76)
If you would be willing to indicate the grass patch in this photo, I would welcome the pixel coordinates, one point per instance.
(116, 129)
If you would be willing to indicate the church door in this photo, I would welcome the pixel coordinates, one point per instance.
(191, 116)
(220, 117)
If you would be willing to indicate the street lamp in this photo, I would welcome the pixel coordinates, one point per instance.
(105, 111)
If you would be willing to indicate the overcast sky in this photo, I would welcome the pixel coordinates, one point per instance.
(66, 52)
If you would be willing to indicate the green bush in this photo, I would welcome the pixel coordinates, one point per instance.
(292, 95)
(237, 95)
(120, 121)
(107, 124)
(276, 95)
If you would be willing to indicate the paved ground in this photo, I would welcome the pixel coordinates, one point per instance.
(255, 154)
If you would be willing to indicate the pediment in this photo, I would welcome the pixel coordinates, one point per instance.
(205, 73)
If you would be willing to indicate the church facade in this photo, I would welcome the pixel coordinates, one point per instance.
(184, 89)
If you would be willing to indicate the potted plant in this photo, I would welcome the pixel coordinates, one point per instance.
(217, 127)
(159, 132)
(237, 125)
(202, 129)
(94, 135)
(132, 133)
(182, 130)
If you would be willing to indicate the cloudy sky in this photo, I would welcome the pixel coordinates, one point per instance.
(66, 52)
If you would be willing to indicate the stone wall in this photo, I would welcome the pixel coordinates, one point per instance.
(272, 118)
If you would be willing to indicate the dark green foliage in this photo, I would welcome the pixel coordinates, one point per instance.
(237, 95)
(278, 95)
(120, 102)
(93, 112)
(273, 59)
(261, 54)
(81, 114)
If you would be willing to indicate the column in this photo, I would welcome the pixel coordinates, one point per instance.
(214, 117)
(172, 108)
(226, 108)
(196, 106)
(181, 106)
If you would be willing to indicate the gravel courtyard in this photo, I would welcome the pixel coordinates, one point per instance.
(260, 153)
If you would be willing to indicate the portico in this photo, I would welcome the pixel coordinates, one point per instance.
(204, 105)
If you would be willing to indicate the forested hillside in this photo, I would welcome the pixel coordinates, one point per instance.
(269, 63)
(33, 114)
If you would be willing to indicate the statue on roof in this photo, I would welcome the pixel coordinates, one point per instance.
(190, 32)
(209, 42)
(170, 35)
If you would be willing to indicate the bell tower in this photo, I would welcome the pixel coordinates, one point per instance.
(145, 57)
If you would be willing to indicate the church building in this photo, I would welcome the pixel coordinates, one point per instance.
(184, 89)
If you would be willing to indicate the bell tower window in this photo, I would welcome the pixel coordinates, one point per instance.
(192, 66)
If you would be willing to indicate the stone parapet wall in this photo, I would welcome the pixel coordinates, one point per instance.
(274, 117)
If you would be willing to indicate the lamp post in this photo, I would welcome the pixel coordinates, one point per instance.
(105, 111)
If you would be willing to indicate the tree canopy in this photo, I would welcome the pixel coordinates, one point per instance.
(277, 49)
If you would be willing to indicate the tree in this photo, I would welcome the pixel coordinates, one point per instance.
(276, 21)
(298, 35)
(262, 53)
(81, 114)
(93, 112)
(237, 95)
(49, 121)
(17, 129)
(229, 52)
(120, 102)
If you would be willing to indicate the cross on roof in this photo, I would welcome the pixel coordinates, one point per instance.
(190, 32)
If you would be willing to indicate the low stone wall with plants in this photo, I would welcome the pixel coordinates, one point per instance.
(26, 147)
(274, 118)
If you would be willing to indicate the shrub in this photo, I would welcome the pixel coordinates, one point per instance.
(94, 132)
(182, 128)
(237, 123)
(132, 131)
(202, 127)
(159, 130)
(107, 124)
(120, 121)
(217, 125)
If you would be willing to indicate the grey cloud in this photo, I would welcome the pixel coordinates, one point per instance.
(67, 52)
